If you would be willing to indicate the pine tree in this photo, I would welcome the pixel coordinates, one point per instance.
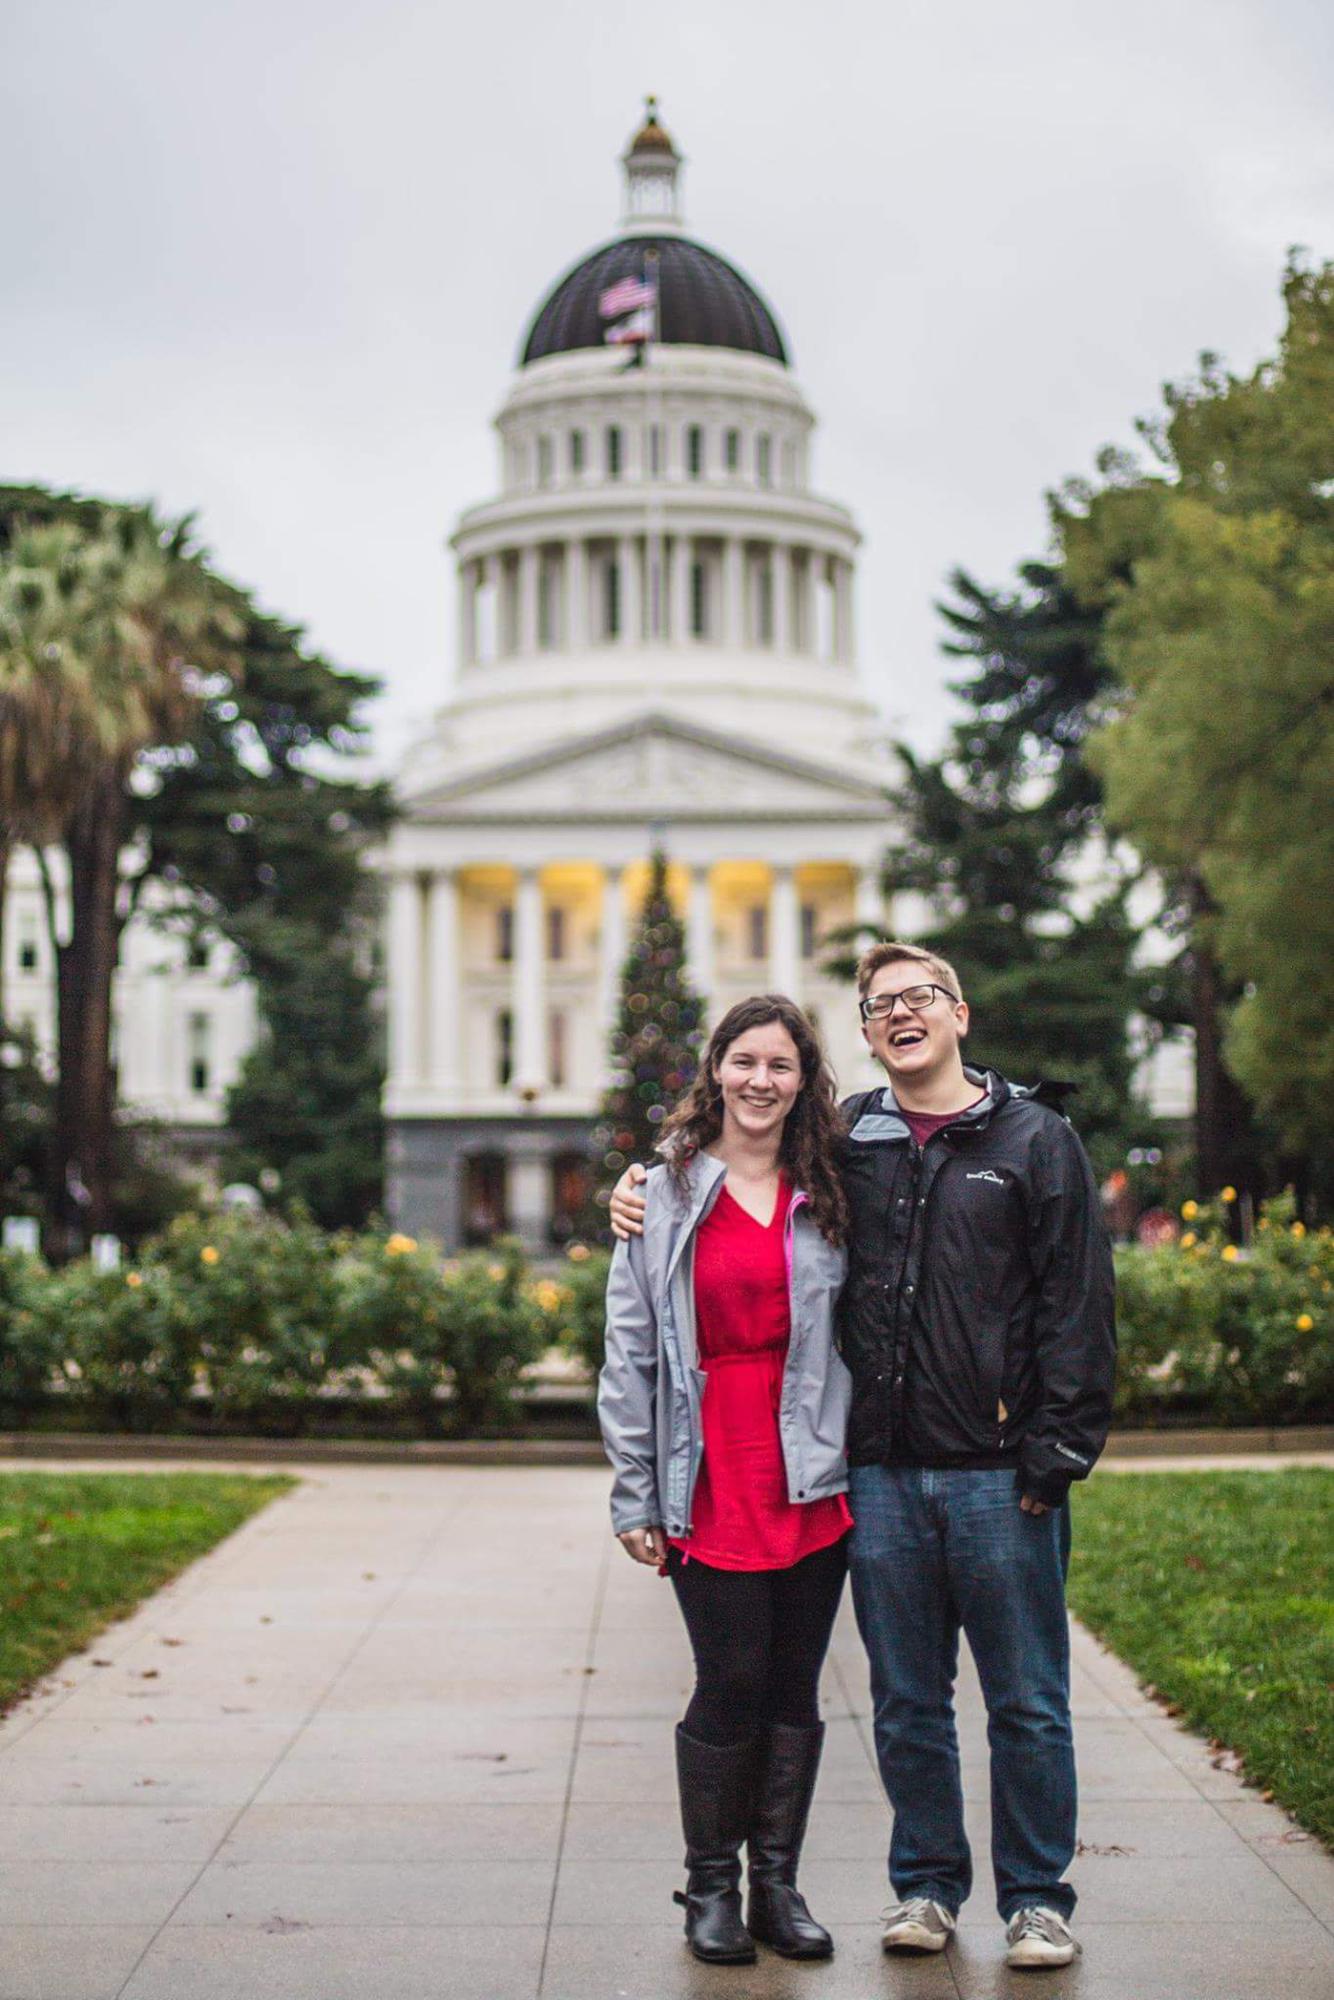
(990, 831)
(656, 1041)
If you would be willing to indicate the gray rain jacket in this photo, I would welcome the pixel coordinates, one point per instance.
(651, 1383)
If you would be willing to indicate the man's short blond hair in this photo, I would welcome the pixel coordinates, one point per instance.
(891, 951)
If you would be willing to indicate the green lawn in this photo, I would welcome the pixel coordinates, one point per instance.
(78, 1550)
(1218, 1588)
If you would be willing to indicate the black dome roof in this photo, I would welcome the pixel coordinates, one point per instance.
(702, 301)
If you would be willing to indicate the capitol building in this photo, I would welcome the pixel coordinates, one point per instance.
(656, 648)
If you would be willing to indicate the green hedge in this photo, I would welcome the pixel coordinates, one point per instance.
(1229, 1335)
(242, 1322)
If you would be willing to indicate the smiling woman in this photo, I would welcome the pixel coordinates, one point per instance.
(738, 1269)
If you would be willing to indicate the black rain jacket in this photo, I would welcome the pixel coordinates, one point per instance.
(978, 1317)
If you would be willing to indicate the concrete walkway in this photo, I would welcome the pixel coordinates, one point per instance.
(407, 1736)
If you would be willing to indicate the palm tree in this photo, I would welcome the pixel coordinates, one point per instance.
(111, 628)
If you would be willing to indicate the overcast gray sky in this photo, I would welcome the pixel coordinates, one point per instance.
(272, 260)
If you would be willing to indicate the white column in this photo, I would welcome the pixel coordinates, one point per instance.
(612, 951)
(842, 610)
(869, 902)
(442, 985)
(682, 556)
(780, 558)
(467, 588)
(492, 582)
(529, 997)
(404, 978)
(734, 592)
(529, 558)
(632, 615)
(784, 933)
(576, 594)
(699, 933)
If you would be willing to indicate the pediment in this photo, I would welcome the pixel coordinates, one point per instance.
(654, 767)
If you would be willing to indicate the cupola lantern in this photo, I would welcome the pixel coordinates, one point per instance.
(652, 171)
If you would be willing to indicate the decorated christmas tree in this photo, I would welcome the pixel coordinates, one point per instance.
(654, 1045)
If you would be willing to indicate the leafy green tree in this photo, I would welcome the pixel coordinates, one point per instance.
(1219, 758)
(656, 1041)
(109, 626)
(160, 729)
(259, 819)
(306, 1105)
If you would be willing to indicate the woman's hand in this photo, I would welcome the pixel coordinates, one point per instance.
(627, 1206)
(644, 1545)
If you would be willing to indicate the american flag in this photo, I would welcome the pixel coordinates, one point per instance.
(626, 295)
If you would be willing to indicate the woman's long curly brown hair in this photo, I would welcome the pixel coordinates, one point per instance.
(808, 1151)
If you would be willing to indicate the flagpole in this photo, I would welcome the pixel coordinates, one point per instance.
(653, 513)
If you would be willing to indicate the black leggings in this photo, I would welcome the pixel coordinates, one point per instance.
(759, 1638)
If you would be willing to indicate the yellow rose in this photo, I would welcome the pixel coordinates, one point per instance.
(495, 1272)
(1228, 1194)
(1189, 1210)
(397, 1245)
(578, 1253)
(209, 1254)
(1299, 1230)
(1188, 1240)
(1231, 1254)
(133, 1280)
(1304, 1322)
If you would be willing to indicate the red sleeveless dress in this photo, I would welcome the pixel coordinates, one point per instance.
(742, 1517)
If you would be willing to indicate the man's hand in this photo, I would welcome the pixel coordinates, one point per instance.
(627, 1211)
(1032, 1506)
(644, 1545)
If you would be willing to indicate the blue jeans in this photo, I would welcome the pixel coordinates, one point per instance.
(932, 1551)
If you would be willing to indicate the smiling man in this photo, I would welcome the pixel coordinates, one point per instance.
(977, 1323)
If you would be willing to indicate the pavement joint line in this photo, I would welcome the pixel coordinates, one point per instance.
(448, 1515)
(594, 1625)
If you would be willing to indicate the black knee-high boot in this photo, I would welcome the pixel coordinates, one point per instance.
(777, 1913)
(716, 1782)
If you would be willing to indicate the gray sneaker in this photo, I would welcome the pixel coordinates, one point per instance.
(917, 1925)
(1037, 1936)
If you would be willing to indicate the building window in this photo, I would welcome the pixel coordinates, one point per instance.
(695, 450)
(611, 598)
(28, 948)
(197, 1040)
(757, 930)
(699, 601)
(613, 451)
(556, 933)
(809, 921)
(732, 451)
(576, 452)
(655, 451)
(764, 453)
(557, 1038)
(505, 933)
(196, 954)
(544, 461)
(504, 1047)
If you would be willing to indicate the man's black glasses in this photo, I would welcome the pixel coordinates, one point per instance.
(915, 998)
